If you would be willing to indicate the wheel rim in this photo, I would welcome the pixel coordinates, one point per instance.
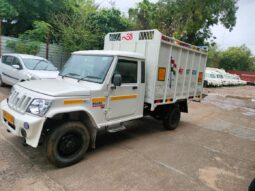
(70, 144)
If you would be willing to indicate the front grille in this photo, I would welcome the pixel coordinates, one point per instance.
(18, 101)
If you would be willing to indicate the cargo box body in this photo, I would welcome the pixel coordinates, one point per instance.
(174, 69)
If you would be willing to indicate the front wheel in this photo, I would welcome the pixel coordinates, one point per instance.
(1, 82)
(172, 118)
(67, 144)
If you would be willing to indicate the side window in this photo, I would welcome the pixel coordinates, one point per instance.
(128, 70)
(3, 60)
(16, 62)
(8, 60)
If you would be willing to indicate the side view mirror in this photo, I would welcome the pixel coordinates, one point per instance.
(116, 80)
(15, 66)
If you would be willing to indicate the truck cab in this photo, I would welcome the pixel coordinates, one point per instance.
(104, 87)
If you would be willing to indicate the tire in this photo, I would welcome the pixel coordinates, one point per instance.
(1, 82)
(67, 144)
(205, 83)
(172, 118)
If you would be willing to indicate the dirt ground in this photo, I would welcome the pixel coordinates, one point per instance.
(213, 149)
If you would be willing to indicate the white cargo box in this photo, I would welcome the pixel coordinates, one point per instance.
(174, 69)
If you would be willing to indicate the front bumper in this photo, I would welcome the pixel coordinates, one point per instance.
(32, 134)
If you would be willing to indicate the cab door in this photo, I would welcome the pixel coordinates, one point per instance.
(123, 101)
(6, 67)
(14, 73)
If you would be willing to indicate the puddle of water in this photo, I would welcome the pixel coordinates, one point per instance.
(249, 112)
(228, 102)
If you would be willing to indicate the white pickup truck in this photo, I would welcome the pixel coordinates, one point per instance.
(138, 73)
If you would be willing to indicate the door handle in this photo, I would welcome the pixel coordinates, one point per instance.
(134, 87)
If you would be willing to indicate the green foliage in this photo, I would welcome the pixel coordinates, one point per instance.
(29, 42)
(80, 24)
(213, 57)
(85, 28)
(7, 11)
(23, 46)
(38, 33)
(32, 10)
(104, 21)
(237, 58)
(234, 58)
(143, 16)
(188, 20)
(70, 28)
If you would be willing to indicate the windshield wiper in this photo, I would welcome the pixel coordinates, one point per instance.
(92, 77)
(70, 74)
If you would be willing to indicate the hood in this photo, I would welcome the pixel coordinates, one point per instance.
(56, 87)
(42, 74)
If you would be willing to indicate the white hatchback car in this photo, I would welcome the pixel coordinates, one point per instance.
(21, 67)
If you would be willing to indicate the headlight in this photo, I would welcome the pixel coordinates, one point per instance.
(39, 107)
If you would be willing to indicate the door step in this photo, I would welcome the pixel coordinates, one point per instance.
(115, 128)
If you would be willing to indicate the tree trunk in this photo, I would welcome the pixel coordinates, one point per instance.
(0, 36)
(47, 46)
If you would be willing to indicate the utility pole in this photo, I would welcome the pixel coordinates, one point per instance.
(0, 36)
(47, 45)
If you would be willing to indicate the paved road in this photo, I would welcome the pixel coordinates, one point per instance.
(212, 150)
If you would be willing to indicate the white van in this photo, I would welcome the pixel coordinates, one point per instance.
(21, 67)
(211, 79)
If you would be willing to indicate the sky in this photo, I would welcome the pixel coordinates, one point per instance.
(243, 32)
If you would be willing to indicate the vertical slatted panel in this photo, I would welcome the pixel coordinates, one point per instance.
(168, 74)
(199, 65)
(190, 76)
(177, 72)
(185, 72)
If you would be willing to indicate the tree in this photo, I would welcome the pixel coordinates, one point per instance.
(188, 20)
(143, 15)
(237, 58)
(29, 11)
(86, 26)
(197, 16)
(29, 42)
(70, 27)
(7, 11)
(104, 21)
(213, 57)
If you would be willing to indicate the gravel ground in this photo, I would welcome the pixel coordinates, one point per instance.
(211, 150)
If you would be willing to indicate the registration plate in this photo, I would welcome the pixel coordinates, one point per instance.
(8, 117)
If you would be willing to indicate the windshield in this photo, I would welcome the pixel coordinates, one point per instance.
(92, 68)
(38, 64)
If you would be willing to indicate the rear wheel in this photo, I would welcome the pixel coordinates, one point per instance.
(205, 83)
(172, 118)
(67, 144)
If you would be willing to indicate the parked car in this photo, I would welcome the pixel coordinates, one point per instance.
(21, 67)
(240, 82)
(220, 78)
(211, 79)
